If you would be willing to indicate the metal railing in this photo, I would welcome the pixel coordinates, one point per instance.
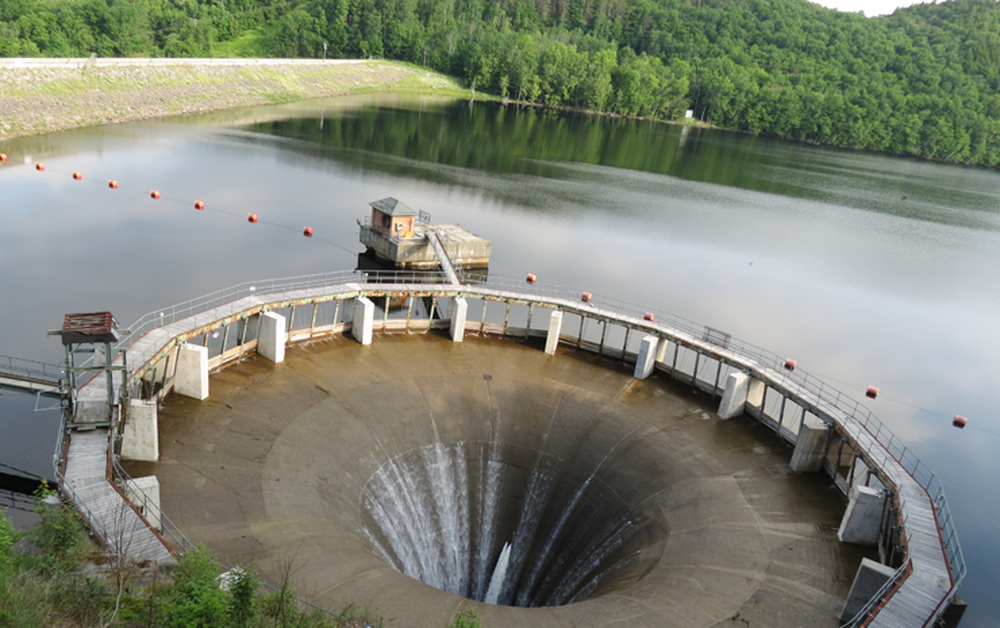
(31, 370)
(872, 605)
(797, 382)
(150, 509)
(102, 534)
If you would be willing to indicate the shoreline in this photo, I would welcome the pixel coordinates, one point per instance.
(43, 96)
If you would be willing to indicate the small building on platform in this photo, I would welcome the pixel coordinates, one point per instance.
(399, 236)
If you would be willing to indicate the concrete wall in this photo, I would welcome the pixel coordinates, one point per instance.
(646, 359)
(810, 448)
(144, 493)
(734, 395)
(140, 440)
(868, 580)
(740, 391)
(364, 320)
(191, 378)
(863, 516)
(272, 337)
(459, 313)
(555, 328)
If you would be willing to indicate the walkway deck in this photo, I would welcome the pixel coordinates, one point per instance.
(27, 384)
(85, 481)
(442, 254)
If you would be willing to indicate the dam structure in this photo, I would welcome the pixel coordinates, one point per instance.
(544, 449)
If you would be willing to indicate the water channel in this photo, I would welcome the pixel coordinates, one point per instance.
(868, 270)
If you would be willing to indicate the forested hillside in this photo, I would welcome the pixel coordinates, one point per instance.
(923, 81)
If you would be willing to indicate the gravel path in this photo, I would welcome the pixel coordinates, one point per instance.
(41, 96)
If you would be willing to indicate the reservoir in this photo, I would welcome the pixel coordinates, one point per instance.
(868, 270)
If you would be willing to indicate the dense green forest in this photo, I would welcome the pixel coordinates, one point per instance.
(922, 81)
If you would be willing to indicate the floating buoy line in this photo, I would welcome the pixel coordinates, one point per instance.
(199, 205)
(872, 392)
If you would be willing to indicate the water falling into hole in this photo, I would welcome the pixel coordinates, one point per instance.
(510, 525)
(499, 576)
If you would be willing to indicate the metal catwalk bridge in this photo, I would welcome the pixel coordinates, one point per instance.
(31, 376)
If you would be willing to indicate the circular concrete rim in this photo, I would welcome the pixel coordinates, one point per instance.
(718, 559)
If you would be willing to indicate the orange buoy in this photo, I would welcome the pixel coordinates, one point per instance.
(40, 167)
(586, 297)
(252, 218)
(3, 158)
(113, 184)
(199, 205)
(77, 176)
(155, 194)
(649, 316)
(959, 421)
(308, 232)
(791, 364)
(532, 279)
(872, 392)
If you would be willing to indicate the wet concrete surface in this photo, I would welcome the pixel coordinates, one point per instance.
(269, 470)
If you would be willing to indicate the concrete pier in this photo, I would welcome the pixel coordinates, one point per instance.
(740, 391)
(191, 378)
(140, 440)
(144, 493)
(661, 350)
(811, 446)
(646, 359)
(459, 313)
(555, 328)
(869, 579)
(272, 337)
(863, 516)
(364, 320)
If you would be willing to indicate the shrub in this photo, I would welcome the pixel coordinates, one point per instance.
(197, 600)
(59, 534)
(465, 618)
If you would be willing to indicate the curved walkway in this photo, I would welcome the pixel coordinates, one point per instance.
(927, 580)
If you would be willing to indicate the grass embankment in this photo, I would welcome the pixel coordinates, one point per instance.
(36, 100)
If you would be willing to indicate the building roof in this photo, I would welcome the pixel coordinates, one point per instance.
(89, 327)
(392, 207)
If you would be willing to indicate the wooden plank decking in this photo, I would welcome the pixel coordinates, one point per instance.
(111, 518)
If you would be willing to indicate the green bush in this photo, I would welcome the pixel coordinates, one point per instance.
(59, 535)
(244, 605)
(465, 618)
(197, 600)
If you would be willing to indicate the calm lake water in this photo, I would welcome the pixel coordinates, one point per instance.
(866, 269)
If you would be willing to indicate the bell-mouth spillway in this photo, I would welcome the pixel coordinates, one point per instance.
(577, 524)
(277, 465)
(272, 467)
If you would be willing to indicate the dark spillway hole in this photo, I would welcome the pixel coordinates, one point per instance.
(442, 514)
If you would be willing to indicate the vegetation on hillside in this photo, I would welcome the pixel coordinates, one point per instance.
(922, 81)
(61, 578)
